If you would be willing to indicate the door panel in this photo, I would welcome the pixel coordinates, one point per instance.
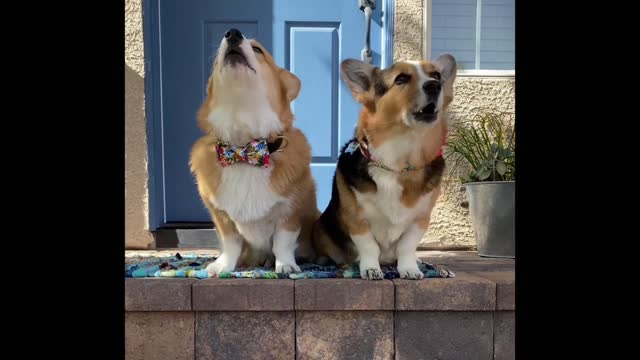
(310, 38)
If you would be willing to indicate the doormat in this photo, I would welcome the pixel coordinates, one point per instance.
(194, 266)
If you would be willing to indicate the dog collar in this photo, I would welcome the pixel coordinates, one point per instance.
(257, 152)
(364, 149)
(444, 142)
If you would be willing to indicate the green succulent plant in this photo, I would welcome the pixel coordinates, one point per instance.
(486, 144)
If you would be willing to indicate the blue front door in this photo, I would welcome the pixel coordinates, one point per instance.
(308, 37)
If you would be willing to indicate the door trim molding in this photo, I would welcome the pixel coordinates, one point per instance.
(153, 97)
(152, 100)
(388, 20)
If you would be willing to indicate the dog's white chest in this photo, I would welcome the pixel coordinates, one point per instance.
(245, 193)
(387, 216)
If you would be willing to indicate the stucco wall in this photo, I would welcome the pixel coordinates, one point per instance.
(407, 30)
(450, 224)
(137, 235)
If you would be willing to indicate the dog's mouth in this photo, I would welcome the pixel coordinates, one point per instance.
(427, 113)
(235, 57)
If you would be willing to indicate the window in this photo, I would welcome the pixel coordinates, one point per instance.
(480, 34)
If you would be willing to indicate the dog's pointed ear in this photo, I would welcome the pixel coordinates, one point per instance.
(448, 70)
(291, 84)
(210, 85)
(357, 75)
(359, 78)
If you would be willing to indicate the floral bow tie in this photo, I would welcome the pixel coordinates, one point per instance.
(255, 153)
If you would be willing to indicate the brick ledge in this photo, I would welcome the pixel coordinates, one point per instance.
(481, 284)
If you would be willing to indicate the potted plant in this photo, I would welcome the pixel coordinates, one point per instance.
(485, 148)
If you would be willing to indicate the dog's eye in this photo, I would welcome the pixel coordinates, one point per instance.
(402, 79)
(257, 49)
(436, 75)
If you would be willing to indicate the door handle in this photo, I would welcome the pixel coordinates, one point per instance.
(367, 6)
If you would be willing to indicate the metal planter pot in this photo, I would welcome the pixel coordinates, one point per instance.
(492, 210)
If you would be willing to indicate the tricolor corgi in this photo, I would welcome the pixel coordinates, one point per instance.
(388, 176)
(252, 166)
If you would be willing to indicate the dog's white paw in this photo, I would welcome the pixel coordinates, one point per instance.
(371, 272)
(410, 272)
(284, 268)
(218, 266)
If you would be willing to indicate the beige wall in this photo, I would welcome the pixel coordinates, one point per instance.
(450, 224)
(136, 226)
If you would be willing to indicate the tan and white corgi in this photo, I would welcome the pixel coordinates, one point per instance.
(252, 166)
(388, 176)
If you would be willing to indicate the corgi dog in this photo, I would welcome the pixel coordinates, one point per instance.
(252, 167)
(388, 176)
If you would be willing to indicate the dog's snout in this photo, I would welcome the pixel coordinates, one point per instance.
(233, 36)
(432, 88)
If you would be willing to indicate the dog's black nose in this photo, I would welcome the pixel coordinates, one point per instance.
(233, 36)
(432, 88)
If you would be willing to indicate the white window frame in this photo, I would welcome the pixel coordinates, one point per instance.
(426, 48)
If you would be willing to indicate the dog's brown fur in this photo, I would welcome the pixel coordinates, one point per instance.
(290, 175)
(383, 120)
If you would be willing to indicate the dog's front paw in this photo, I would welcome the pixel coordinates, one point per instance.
(371, 272)
(218, 266)
(285, 268)
(411, 272)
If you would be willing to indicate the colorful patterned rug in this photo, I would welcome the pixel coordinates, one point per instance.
(194, 266)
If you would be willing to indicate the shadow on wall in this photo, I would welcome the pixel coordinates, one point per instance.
(135, 168)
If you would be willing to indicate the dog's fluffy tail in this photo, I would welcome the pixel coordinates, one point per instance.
(326, 250)
(305, 252)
